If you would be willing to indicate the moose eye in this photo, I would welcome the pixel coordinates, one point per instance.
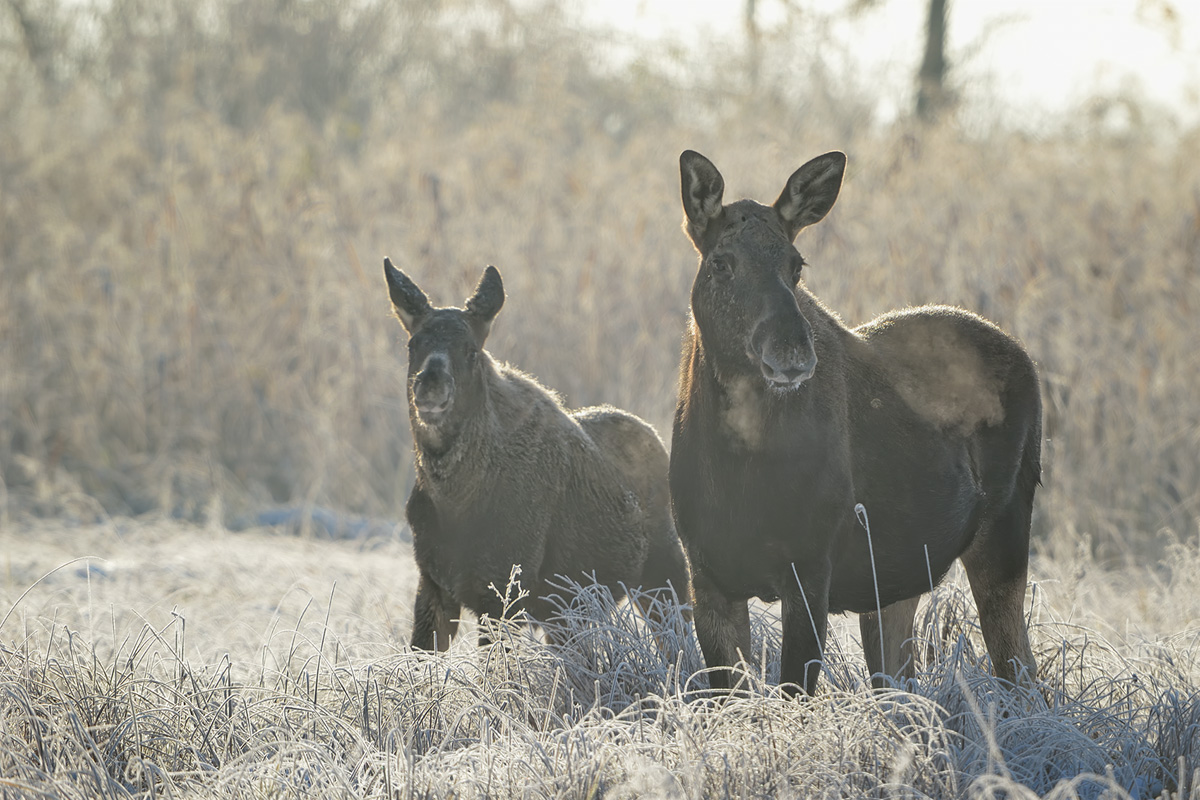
(796, 268)
(472, 354)
(721, 266)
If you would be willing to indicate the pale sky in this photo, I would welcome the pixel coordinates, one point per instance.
(1040, 55)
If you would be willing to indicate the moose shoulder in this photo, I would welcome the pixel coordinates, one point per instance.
(506, 476)
(929, 417)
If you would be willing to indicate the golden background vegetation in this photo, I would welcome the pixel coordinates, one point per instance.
(195, 201)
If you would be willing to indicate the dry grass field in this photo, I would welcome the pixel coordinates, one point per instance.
(195, 202)
(164, 659)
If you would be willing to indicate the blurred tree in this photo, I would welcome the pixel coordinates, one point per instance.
(1161, 14)
(931, 89)
(753, 43)
(40, 31)
(932, 96)
(33, 38)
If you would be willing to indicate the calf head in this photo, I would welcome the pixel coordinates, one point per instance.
(745, 297)
(445, 348)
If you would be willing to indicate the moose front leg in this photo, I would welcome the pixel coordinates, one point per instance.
(805, 623)
(435, 616)
(723, 628)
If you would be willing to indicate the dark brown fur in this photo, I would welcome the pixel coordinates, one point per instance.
(506, 476)
(929, 417)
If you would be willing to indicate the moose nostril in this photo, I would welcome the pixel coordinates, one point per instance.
(791, 373)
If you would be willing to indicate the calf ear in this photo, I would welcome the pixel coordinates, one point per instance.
(408, 301)
(811, 192)
(485, 304)
(702, 188)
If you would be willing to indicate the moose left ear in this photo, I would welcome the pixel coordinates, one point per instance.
(485, 304)
(702, 187)
(408, 301)
(811, 192)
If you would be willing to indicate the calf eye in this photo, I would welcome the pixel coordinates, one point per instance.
(796, 268)
(720, 266)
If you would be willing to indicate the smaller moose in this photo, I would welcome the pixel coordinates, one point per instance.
(506, 476)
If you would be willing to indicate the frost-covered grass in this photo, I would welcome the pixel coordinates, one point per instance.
(184, 661)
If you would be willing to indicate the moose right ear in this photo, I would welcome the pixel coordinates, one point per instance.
(486, 302)
(702, 188)
(408, 301)
(811, 192)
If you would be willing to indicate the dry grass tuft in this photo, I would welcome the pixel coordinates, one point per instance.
(105, 695)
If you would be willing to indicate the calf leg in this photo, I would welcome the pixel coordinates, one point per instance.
(894, 655)
(723, 628)
(997, 566)
(666, 567)
(664, 583)
(435, 616)
(532, 608)
(541, 612)
(655, 606)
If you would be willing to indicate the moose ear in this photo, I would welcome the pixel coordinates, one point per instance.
(811, 192)
(702, 188)
(485, 304)
(408, 301)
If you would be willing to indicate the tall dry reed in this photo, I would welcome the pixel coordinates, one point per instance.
(194, 206)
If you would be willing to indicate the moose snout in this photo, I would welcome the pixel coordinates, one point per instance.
(786, 358)
(787, 374)
(433, 393)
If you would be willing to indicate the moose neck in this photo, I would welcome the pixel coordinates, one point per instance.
(752, 416)
(736, 400)
(444, 452)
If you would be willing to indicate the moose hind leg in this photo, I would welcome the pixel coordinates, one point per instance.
(997, 565)
(656, 606)
(664, 585)
(895, 657)
(723, 628)
(435, 616)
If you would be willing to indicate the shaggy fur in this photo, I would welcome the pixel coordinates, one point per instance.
(506, 476)
(928, 417)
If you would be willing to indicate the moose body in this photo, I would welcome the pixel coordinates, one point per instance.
(929, 417)
(506, 476)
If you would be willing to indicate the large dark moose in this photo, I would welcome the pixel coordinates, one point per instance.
(929, 417)
(505, 476)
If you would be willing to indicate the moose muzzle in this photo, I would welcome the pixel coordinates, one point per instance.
(783, 345)
(433, 391)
